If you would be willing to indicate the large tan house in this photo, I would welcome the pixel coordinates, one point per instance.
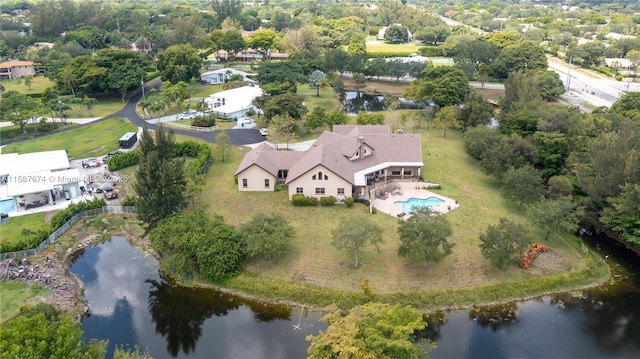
(15, 69)
(350, 161)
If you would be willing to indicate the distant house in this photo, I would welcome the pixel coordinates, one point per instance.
(220, 76)
(348, 162)
(233, 103)
(619, 63)
(15, 69)
(251, 55)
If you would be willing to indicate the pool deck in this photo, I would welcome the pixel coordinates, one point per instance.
(409, 190)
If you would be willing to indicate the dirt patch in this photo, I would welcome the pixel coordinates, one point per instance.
(547, 262)
(50, 268)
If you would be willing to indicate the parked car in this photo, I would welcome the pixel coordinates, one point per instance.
(264, 131)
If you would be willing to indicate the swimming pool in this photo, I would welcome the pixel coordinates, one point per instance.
(408, 205)
(7, 206)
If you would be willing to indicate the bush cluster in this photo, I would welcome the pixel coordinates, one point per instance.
(432, 51)
(327, 201)
(301, 200)
(123, 160)
(62, 216)
(200, 151)
(349, 201)
(204, 121)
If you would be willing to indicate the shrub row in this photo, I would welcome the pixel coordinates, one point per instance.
(384, 54)
(200, 151)
(327, 201)
(61, 217)
(204, 121)
(432, 51)
(301, 200)
(33, 239)
(123, 160)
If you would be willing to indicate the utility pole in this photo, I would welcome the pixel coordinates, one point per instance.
(569, 75)
(142, 85)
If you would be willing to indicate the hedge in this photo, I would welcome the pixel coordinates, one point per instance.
(301, 200)
(200, 151)
(123, 160)
(432, 51)
(384, 54)
(327, 201)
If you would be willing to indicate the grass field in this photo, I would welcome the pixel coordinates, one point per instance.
(38, 85)
(385, 46)
(12, 230)
(312, 260)
(15, 295)
(87, 141)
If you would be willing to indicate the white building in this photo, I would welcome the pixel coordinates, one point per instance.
(233, 103)
(36, 179)
(220, 76)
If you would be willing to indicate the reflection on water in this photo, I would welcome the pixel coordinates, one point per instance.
(131, 304)
(354, 102)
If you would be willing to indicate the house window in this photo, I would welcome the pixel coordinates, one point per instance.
(299, 190)
(395, 173)
(314, 177)
(320, 176)
(340, 190)
(407, 173)
(319, 190)
(244, 183)
(266, 183)
(326, 177)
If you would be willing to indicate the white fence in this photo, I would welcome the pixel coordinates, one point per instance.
(189, 128)
(60, 231)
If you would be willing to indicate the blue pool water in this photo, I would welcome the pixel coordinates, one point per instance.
(7, 206)
(408, 205)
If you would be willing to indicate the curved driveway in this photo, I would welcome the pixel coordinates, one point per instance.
(243, 136)
(238, 136)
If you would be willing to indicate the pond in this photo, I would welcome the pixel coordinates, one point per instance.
(354, 102)
(131, 304)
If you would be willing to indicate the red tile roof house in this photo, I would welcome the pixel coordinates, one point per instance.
(348, 162)
(14, 69)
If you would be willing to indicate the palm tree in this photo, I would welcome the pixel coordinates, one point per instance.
(69, 79)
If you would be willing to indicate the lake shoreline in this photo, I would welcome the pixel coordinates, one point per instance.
(85, 234)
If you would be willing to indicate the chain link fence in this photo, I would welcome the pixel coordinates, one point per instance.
(60, 231)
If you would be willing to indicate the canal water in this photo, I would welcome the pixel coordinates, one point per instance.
(354, 102)
(131, 304)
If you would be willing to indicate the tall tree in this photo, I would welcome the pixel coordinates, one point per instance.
(287, 103)
(476, 53)
(352, 236)
(179, 63)
(315, 78)
(555, 215)
(504, 243)
(223, 143)
(19, 109)
(232, 42)
(447, 117)
(226, 8)
(475, 111)
(424, 236)
(442, 85)
(263, 41)
(159, 179)
(373, 330)
(623, 216)
(266, 235)
(522, 56)
(523, 185)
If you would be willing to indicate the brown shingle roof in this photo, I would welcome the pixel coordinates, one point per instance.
(269, 159)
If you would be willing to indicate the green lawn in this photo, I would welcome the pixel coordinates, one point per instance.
(16, 294)
(87, 141)
(312, 260)
(385, 46)
(38, 85)
(11, 231)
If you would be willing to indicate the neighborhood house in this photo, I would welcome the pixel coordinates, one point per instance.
(15, 69)
(233, 103)
(350, 161)
(221, 76)
(36, 179)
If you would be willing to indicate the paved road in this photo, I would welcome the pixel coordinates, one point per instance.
(238, 137)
